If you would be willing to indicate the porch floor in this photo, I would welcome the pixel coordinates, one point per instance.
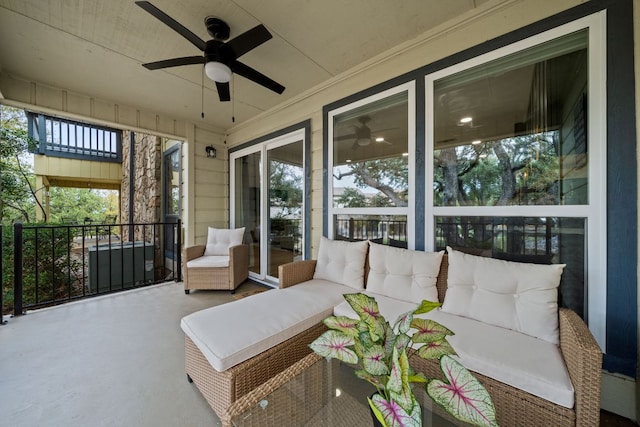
(116, 360)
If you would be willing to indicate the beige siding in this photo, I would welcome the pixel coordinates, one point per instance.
(62, 169)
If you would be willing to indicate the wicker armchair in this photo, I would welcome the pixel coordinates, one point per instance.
(221, 264)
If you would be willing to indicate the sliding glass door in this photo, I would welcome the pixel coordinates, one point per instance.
(268, 200)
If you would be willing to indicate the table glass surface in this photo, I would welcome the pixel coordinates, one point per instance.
(326, 393)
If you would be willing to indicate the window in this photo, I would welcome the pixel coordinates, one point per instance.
(516, 159)
(371, 144)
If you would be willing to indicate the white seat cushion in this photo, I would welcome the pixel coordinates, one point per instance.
(231, 333)
(513, 295)
(403, 274)
(341, 262)
(522, 361)
(220, 240)
(210, 261)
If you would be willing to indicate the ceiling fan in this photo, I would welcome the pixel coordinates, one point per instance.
(362, 134)
(220, 59)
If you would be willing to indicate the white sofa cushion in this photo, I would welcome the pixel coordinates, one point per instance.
(402, 273)
(209, 261)
(220, 240)
(513, 295)
(522, 361)
(341, 262)
(231, 333)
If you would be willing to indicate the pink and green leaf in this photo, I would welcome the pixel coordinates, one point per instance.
(367, 308)
(390, 414)
(435, 350)
(373, 361)
(428, 330)
(403, 323)
(343, 324)
(364, 375)
(335, 345)
(463, 396)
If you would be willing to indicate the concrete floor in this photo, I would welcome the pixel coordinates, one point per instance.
(116, 360)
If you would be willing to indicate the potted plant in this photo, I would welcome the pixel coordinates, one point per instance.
(381, 353)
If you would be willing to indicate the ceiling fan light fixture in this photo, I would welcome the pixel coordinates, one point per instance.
(217, 71)
(363, 141)
(379, 139)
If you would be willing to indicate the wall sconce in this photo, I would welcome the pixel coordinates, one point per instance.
(211, 151)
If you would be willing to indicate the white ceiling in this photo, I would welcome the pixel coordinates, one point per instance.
(96, 47)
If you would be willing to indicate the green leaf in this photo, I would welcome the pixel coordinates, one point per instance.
(463, 396)
(435, 350)
(343, 324)
(364, 375)
(334, 345)
(428, 330)
(426, 306)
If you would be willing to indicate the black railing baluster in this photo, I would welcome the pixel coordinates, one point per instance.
(36, 263)
(17, 269)
(69, 243)
(53, 264)
(178, 238)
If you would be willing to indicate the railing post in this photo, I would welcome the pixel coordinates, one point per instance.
(178, 235)
(17, 269)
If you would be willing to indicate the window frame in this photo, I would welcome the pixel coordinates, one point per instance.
(409, 210)
(595, 211)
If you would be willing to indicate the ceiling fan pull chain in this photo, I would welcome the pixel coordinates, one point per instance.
(233, 99)
(202, 93)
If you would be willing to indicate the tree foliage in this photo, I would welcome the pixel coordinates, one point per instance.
(17, 200)
(285, 194)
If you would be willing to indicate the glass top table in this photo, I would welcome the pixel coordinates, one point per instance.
(315, 392)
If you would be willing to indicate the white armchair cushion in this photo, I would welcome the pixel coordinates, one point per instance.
(403, 274)
(209, 261)
(220, 240)
(518, 296)
(341, 262)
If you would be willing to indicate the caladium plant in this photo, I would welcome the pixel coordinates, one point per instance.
(381, 353)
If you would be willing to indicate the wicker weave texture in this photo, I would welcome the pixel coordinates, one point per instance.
(221, 389)
(221, 278)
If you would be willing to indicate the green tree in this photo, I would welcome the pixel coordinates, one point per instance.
(285, 189)
(80, 203)
(389, 176)
(17, 192)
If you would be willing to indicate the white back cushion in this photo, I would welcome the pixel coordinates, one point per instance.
(403, 274)
(513, 295)
(341, 262)
(220, 240)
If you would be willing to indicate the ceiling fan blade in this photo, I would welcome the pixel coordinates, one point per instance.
(248, 40)
(173, 24)
(175, 62)
(223, 91)
(345, 137)
(256, 76)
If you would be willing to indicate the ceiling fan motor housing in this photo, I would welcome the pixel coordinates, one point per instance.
(217, 28)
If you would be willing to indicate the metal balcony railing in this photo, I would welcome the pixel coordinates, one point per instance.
(53, 264)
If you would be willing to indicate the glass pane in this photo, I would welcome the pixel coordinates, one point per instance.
(370, 153)
(514, 131)
(247, 204)
(286, 184)
(384, 229)
(542, 240)
(172, 175)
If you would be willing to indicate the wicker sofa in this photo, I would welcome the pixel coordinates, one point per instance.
(222, 385)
